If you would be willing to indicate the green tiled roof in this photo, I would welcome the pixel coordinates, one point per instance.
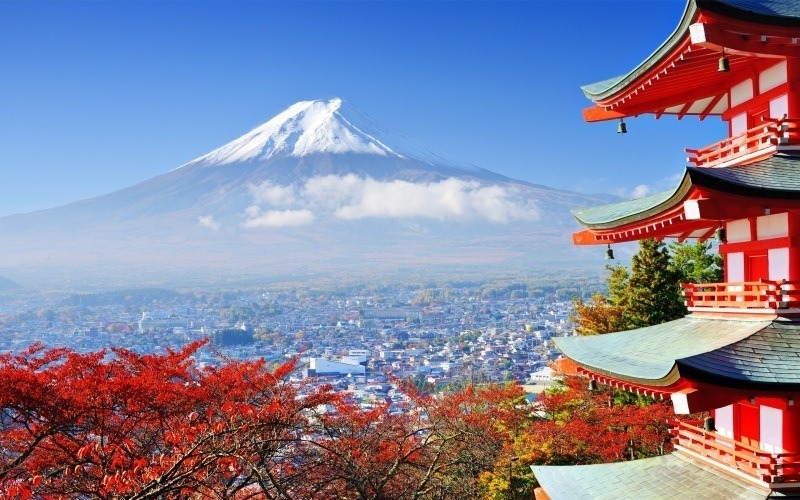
(775, 177)
(780, 12)
(648, 355)
(672, 476)
(624, 212)
(769, 356)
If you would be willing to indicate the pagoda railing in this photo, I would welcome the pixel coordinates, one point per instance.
(772, 132)
(762, 294)
(759, 464)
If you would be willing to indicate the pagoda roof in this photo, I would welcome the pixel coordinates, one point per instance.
(668, 476)
(775, 178)
(655, 355)
(769, 356)
(667, 80)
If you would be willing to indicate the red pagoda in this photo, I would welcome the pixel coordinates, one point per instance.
(737, 353)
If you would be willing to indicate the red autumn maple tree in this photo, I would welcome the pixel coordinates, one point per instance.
(116, 424)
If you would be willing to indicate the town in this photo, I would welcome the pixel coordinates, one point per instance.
(354, 337)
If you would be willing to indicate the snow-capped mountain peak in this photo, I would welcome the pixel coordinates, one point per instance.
(329, 127)
(304, 128)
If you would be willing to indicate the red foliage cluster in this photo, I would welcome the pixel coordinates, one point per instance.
(117, 424)
(579, 426)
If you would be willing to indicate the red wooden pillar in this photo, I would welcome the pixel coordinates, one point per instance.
(793, 77)
(791, 427)
(794, 250)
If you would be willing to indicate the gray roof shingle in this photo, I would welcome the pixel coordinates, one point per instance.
(769, 356)
(672, 476)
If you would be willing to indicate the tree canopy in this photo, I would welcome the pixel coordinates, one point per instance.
(649, 293)
(120, 424)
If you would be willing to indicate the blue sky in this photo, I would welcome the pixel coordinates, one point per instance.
(95, 96)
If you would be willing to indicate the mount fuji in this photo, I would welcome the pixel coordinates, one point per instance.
(319, 188)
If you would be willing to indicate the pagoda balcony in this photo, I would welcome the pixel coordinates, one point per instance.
(771, 136)
(761, 466)
(761, 296)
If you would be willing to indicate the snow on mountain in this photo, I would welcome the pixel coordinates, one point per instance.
(322, 127)
(319, 186)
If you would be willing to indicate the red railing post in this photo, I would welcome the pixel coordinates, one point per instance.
(772, 132)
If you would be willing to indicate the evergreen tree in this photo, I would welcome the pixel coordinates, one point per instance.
(694, 263)
(650, 292)
(653, 289)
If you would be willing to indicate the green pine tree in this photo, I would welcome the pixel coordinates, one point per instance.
(694, 263)
(653, 289)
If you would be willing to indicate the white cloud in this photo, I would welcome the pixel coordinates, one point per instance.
(350, 197)
(208, 221)
(278, 218)
(273, 194)
(641, 191)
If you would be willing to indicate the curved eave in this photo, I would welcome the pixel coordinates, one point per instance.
(607, 88)
(627, 212)
(666, 81)
(775, 178)
(650, 356)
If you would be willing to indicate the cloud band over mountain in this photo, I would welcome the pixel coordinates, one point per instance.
(350, 197)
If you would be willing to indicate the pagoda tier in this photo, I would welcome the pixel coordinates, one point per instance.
(737, 355)
(701, 363)
(681, 77)
(705, 198)
(746, 372)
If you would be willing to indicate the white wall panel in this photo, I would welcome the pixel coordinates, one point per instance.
(771, 431)
(779, 107)
(778, 264)
(772, 77)
(738, 124)
(737, 231)
(742, 92)
(734, 267)
(772, 226)
(723, 420)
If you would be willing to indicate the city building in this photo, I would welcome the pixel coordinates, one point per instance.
(737, 353)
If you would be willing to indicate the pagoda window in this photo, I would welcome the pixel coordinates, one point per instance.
(741, 92)
(738, 230)
(778, 264)
(771, 429)
(779, 106)
(772, 77)
(739, 124)
(723, 419)
(734, 267)
(772, 226)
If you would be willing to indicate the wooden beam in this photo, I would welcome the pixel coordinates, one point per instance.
(714, 37)
(707, 235)
(711, 105)
(685, 109)
(600, 114)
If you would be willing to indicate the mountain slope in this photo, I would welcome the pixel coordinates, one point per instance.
(321, 186)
